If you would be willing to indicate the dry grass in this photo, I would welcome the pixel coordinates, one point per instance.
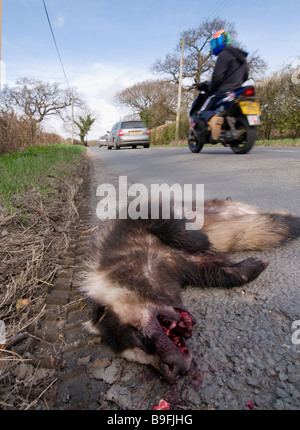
(32, 237)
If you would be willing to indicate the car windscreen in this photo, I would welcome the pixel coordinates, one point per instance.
(133, 124)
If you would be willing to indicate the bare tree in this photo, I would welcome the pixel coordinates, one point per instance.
(36, 100)
(256, 65)
(33, 101)
(199, 61)
(154, 101)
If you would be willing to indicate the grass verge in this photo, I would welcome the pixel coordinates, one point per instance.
(30, 168)
(37, 206)
(280, 142)
(262, 142)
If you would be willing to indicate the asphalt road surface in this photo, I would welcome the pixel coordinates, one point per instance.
(245, 344)
(267, 177)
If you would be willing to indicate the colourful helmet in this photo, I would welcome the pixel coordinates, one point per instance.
(219, 41)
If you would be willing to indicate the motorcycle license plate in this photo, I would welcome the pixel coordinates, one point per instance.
(250, 108)
(254, 119)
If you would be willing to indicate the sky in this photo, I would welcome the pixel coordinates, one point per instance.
(109, 45)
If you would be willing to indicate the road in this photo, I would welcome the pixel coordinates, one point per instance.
(245, 344)
(267, 177)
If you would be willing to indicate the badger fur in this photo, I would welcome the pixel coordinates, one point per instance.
(140, 266)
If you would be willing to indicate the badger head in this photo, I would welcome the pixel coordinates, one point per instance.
(140, 330)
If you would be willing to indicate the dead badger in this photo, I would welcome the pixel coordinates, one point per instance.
(140, 266)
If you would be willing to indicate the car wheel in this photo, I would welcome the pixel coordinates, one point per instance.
(147, 145)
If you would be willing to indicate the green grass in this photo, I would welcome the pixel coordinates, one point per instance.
(29, 169)
(279, 142)
(262, 142)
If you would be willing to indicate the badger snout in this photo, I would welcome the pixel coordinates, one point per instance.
(173, 365)
(170, 331)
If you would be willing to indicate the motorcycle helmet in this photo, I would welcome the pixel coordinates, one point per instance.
(219, 41)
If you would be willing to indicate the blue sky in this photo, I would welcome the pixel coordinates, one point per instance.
(108, 45)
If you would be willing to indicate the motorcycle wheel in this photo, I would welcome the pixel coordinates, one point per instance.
(194, 144)
(245, 145)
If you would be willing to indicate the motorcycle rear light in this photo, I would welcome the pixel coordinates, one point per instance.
(249, 92)
(121, 133)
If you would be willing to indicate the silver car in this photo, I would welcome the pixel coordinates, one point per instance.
(102, 141)
(128, 133)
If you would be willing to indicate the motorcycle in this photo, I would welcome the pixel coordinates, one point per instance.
(234, 124)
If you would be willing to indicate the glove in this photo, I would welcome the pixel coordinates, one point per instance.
(200, 86)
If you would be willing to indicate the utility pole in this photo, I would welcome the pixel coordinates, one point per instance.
(179, 91)
(72, 140)
(0, 43)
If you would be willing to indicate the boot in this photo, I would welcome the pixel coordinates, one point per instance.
(201, 125)
(215, 126)
(201, 130)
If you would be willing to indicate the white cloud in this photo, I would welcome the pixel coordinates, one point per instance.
(60, 21)
(97, 84)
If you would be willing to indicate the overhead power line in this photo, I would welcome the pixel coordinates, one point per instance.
(54, 40)
(62, 66)
(218, 7)
(214, 8)
(224, 5)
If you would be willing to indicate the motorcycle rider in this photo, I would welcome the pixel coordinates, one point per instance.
(230, 72)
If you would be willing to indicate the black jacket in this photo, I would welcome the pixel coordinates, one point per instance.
(230, 72)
